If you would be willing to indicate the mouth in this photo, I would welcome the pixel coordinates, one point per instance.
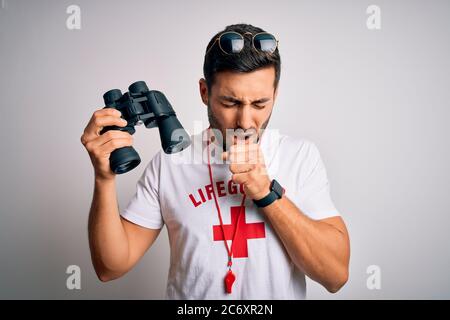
(245, 137)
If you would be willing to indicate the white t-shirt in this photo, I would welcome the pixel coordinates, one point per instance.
(176, 191)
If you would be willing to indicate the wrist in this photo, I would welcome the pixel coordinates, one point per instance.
(101, 181)
(276, 192)
(262, 194)
(264, 191)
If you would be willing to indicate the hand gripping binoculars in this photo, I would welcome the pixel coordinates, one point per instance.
(143, 106)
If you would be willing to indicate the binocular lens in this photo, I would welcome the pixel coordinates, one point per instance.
(112, 96)
(125, 167)
(124, 159)
(177, 147)
(173, 137)
(138, 87)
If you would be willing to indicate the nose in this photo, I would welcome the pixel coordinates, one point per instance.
(244, 119)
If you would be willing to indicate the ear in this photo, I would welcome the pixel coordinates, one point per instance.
(203, 91)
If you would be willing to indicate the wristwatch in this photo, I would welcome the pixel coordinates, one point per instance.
(276, 192)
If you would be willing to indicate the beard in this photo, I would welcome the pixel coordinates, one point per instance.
(215, 124)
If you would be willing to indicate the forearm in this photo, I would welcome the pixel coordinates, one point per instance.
(317, 248)
(107, 237)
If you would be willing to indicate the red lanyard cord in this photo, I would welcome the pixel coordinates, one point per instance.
(230, 277)
(229, 250)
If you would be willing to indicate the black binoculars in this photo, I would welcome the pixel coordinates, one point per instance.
(143, 106)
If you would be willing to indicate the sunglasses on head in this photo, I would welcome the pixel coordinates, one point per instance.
(232, 42)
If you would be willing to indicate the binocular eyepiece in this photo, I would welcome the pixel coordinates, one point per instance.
(143, 106)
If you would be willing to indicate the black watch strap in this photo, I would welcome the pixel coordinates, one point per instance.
(276, 192)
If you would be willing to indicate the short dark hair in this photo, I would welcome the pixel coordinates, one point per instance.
(246, 61)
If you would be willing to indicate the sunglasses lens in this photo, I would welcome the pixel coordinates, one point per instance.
(231, 42)
(265, 42)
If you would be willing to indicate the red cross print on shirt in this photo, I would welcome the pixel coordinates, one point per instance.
(245, 231)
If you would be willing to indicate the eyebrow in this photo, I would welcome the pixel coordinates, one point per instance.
(232, 99)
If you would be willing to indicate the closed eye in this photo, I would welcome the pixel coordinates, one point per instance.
(229, 104)
(229, 101)
(259, 105)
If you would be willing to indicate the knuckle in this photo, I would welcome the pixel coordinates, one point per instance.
(97, 121)
(98, 113)
(115, 143)
(95, 153)
(88, 146)
(122, 134)
(110, 134)
(119, 134)
(240, 159)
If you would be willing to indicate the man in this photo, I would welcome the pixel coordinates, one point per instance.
(250, 227)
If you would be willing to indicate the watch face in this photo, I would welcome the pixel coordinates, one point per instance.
(277, 188)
